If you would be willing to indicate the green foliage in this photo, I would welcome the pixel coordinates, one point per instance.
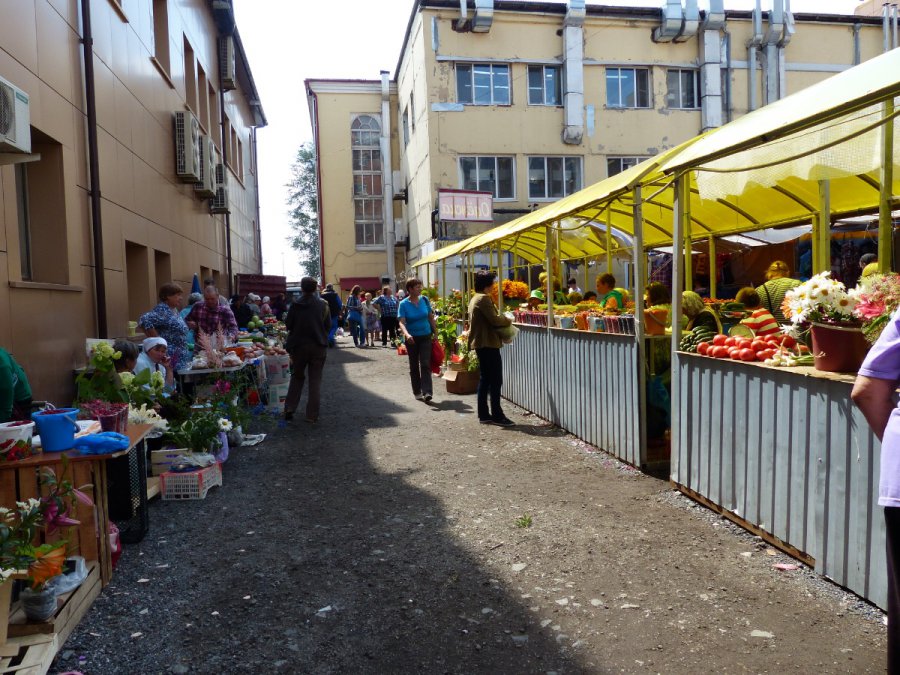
(303, 200)
(101, 381)
(446, 332)
(524, 521)
(198, 433)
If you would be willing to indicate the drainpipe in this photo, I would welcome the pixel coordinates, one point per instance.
(857, 55)
(728, 96)
(90, 95)
(710, 44)
(573, 72)
(752, 47)
(894, 13)
(387, 174)
(254, 149)
(885, 28)
(315, 121)
(787, 32)
(228, 267)
(772, 37)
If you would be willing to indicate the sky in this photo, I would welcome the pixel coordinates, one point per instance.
(288, 41)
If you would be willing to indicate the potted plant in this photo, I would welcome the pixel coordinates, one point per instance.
(823, 306)
(202, 432)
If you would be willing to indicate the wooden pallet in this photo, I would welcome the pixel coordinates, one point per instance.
(34, 656)
(72, 606)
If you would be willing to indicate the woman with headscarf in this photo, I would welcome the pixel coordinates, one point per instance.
(697, 313)
(155, 358)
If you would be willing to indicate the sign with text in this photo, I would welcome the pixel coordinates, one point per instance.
(465, 205)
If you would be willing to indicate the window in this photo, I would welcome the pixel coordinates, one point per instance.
(405, 127)
(627, 88)
(682, 88)
(161, 34)
(553, 177)
(544, 85)
(203, 116)
(616, 165)
(137, 277)
(226, 151)
(214, 121)
(365, 136)
(190, 77)
(40, 202)
(412, 111)
(482, 84)
(489, 174)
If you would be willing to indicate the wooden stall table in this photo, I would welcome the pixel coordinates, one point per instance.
(20, 480)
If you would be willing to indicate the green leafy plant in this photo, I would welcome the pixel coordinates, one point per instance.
(446, 332)
(100, 381)
(524, 521)
(200, 432)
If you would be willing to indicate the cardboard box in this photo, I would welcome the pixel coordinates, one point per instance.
(461, 381)
(162, 460)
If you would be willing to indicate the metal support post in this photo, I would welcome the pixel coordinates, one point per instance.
(822, 230)
(640, 273)
(885, 221)
(713, 269)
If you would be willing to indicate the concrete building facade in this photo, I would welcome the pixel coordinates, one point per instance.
(94, 215)
(531, 101)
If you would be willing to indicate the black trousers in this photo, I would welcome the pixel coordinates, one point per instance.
(388, 325)
(490, 383)
(892, 523)
(419, 350)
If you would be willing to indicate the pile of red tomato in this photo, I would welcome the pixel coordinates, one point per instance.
(750, 349)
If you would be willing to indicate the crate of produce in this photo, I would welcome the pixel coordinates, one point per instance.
(191, 484)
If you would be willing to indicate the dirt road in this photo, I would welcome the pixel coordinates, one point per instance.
(390, 538)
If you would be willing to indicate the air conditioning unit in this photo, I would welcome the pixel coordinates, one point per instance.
(219, 203)
(226, 62)
(187, 147)
(15, 120)
(207, 185)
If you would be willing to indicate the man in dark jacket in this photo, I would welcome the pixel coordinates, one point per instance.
(334, 306)
(308, 321)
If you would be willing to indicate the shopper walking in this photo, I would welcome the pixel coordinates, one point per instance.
(388, 305)
(308, 322)
(371, 314)
(419, 329)
(484, 320)
(334, 306)
(355, 318)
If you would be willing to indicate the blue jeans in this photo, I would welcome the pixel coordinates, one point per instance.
(333, 331)
(357, 331)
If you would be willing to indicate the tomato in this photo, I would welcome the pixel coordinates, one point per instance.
(788, 342)
(774, 339)
(719, 340)
(729, 342)
(803, 349)
(734, 353)
(765, 354)
(758, 344)
(747, 355)
(719, 352)
(703, 348)
(744, 343)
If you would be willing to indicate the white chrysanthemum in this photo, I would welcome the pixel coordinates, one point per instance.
(225, 424)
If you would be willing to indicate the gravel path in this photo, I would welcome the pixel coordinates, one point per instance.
(384, 539)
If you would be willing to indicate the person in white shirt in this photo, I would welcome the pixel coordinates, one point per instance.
(155, 358)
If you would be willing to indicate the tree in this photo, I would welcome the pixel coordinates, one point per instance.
(303, 200)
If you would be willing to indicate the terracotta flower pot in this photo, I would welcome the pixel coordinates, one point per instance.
(838, 349)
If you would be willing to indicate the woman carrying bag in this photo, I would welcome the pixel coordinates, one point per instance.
(484, 320)
(419, 329)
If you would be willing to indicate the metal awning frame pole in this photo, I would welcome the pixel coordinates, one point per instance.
(885, 220)
(688, 242)
(640, 274)
(608, 239)
(714, 270)
(681, 183)
(500, 277)
(549, 289)
(822, 230)
(444, 281)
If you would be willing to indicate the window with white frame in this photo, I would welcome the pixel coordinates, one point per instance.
(628, 88)
(683, 89)
(544, 85)
(365, 134)
(489, 174)
(405, 121)
(553, 177)
(616, 165)
(482, 83)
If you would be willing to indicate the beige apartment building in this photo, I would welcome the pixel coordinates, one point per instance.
(531, 101)
(120, 170)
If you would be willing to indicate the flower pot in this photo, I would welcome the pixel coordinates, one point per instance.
(38, 605)
(564, 321)
(15, 441)
(838, 349)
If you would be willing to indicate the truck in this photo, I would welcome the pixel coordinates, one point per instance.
(261, 284)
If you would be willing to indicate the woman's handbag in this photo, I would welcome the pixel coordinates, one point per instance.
(437, 356)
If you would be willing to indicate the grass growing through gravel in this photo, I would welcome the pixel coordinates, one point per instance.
(524, 521)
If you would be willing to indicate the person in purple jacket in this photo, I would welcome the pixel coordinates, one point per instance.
(873, 392)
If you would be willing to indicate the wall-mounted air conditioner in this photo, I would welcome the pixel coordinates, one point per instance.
(187, 147)
(207, 185)
(219, 203)
(226, 62)
(15, 120)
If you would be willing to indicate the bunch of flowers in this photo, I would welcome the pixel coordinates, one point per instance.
(515, 290)
(820, 300)
(877, 297)
(146, 415)
(200, 432)
(465, 355)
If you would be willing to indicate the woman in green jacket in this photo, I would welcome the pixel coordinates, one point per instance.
(15, 392)
(484, 320)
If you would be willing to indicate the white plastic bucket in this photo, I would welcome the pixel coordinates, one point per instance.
(15, 440)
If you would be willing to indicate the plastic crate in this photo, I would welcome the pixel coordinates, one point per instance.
(190, 485)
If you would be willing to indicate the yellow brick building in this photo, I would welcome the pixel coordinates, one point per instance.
(533, 101)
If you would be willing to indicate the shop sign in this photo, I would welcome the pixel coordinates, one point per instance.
(466, 205)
